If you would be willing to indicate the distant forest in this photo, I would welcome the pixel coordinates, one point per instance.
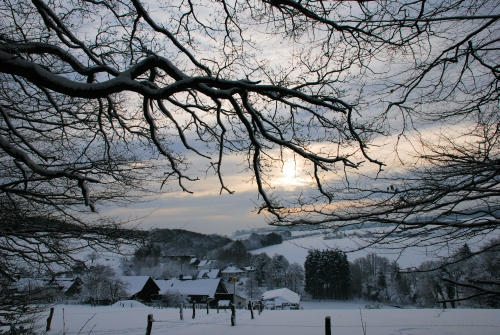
(183, 242)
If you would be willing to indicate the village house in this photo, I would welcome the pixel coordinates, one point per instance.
(206, 264)
(249, 270)
(27, 284)
(68, 286)
(194, 262)
(141, 288)
(208, 274)
(197, 291)
(232, 272)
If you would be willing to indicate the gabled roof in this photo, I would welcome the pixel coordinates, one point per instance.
(206, 287)
(283, 294)
(135, 284)
(65, 283)
(232, 269)
(208, 273)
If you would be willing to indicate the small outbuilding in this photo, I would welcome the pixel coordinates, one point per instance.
(232, 271)
(239, 301)
(281, 298)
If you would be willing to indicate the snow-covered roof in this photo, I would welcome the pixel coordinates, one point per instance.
(205, 262)
(28, 284)
(61, 283)
(282, 294)
(249, 268)
(206, 287)
(232, 269)
(135, 284)
(65, 283)
(194, 259)
(208, 273)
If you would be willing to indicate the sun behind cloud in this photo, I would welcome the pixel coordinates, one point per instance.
(291, 175)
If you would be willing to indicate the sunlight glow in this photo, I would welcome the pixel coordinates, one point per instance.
(291, 175)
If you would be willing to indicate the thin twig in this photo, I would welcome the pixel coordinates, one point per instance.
(86, 324)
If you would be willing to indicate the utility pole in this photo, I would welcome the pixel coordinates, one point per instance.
(234, 280)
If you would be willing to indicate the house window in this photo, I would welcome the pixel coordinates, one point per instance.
(204, 298)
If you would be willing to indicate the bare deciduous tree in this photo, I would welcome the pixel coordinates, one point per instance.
(390, 107)
(101, 285)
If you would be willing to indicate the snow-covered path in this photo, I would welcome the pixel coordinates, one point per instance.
(133, 320)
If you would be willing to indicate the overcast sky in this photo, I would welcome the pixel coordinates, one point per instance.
(208, 211)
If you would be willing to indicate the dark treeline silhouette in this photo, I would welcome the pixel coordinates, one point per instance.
(327, 274)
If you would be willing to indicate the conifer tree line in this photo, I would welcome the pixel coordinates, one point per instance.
(327, 274)
(466, 279)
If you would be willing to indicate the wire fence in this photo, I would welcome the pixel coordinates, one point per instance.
(333, 326)
(338, 326)
(225, 319)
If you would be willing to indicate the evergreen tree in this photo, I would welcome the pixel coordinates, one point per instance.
(328, 274)
(311, 269)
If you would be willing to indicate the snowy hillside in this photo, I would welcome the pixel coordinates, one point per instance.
(295, 250)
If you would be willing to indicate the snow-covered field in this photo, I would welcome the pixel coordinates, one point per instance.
(345, 319)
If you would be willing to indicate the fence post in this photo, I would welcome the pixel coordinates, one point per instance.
(233, 314)
(181, 312)
(207, 307)
(150, 324)
(328, 326)
(49, 319)
(217, 307)
(250, 307)
(194, 309)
